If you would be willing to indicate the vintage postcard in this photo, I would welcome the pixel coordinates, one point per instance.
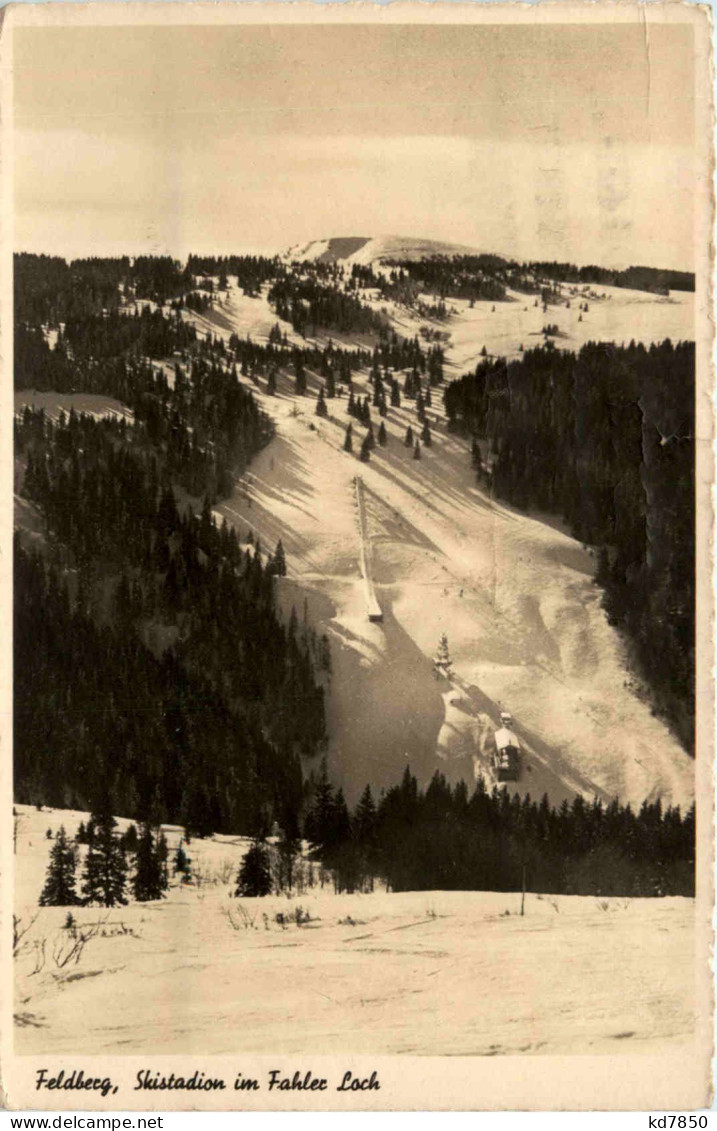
(357, 744)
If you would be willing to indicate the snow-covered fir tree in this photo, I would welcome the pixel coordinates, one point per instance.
(105, 872)
(254, 876)
(59, 889)
(321, 409)
(279, 560)
(150, 880)
(442, 658)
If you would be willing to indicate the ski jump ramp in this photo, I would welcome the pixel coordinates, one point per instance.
(373, 609)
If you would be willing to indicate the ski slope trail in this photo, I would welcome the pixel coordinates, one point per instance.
(514, 595)
(513, 592)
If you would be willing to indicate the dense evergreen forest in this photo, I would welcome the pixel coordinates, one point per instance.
(204, 424)
(309, 305)
(447, 839)
(148, 649)
(652, 279)
(486, 277)
(49, 290)
(251, 271)
(456, 276)
(605, 438)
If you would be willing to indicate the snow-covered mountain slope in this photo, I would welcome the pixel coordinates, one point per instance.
(513, 592)
(427, 973)
(375, 249)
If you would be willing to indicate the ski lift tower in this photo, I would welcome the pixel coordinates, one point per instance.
(442, 660)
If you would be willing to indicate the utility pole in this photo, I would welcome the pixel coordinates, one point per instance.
(522, 901)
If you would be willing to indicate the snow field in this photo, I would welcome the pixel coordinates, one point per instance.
(426, 973)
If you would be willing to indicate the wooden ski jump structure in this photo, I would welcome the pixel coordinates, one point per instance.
(373, 608)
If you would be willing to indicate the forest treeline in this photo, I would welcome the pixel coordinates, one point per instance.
(450, 276)
(486, 276)
(444, 838)
(605, 438)
(652, 279)
(49, 290)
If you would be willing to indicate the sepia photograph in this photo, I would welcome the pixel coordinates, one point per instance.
(358, 749)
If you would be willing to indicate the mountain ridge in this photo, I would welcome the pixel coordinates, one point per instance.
(372, 249)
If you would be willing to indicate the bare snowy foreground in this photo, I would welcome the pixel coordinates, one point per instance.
(425, 973)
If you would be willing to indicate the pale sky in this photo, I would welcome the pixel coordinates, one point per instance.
(566, 142)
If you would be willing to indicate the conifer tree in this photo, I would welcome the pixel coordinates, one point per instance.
(317, 827)
(365, 453)
(279, 561)
(442, 658)
(129, 839)
(382, 436)
(59, 889)
(149, 881)
(181, 860)
(365, 816)
(163, 858)
(321, 409)
(105, 871)
(348, 443)
(271, 383)
(340, 820)
(289, 847)
(417, 450)
(254, 876)
(409, 437)
(300, 383)
(426, 435)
